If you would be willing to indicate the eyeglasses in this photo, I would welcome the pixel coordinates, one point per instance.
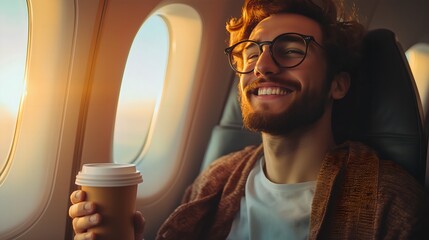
(288, 50)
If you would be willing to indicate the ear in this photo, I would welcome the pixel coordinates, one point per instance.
(340, 85)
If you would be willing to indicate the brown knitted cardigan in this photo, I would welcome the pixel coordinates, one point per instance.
(357, 196)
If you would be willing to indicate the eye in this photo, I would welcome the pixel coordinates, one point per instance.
(252, 57)
(289, 47)
(289, 52)
(251, 53)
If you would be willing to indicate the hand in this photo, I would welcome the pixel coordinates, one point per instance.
(139, 223)
(84, 216)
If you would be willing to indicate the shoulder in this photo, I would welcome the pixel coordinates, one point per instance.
(399, 187)
(402, 203)
(401, 210)
(222, 168)
(391, 176)
(232, 159)
(393, 181)
(232, 167)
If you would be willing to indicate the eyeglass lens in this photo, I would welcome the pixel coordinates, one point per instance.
(287, 50)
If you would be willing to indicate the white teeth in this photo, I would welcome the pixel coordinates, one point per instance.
(271, 91)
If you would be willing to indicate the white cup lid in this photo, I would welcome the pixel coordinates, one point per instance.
(108, 175)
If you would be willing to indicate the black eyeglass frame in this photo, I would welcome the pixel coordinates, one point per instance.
(307, 39)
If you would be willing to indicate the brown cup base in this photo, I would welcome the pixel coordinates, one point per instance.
(116, 206)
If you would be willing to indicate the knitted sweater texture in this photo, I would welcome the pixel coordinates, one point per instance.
(357, 196)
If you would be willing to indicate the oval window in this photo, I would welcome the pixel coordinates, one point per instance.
(13, 54)
(141, 90)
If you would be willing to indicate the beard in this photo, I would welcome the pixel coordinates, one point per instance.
(302, 113)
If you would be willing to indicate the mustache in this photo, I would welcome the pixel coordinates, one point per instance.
(287, 83)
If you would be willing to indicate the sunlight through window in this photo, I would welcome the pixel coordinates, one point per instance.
(13, 52)
(141, 90)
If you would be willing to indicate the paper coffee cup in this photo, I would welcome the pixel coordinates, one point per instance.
(113, 188)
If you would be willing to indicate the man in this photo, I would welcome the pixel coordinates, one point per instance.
(294, 59)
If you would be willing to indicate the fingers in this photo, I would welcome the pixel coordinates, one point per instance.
(82, 224)
(84, 217)
(81, 209)
(77, 196)
(139, 223)
(85, 236)
(83, 214)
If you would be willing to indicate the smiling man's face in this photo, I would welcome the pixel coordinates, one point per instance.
(279, 100)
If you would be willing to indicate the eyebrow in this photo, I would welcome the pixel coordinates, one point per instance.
(249, 45)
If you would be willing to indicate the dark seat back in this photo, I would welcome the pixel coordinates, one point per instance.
(229, 135)
(383, 110)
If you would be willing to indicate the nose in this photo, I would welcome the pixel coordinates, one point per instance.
(265, 65)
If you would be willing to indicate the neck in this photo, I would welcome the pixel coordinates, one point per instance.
(298, 156)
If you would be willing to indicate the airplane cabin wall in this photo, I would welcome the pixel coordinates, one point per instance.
(36, 181)
(76, 58)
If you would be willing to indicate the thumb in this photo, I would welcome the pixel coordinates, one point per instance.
(139, 223)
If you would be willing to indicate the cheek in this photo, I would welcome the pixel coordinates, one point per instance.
(313, 76)
(244, 81)
(316, 61)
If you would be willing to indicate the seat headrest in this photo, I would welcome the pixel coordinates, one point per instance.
(383, 108)
(232, 112)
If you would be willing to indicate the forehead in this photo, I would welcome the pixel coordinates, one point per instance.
(277, 24)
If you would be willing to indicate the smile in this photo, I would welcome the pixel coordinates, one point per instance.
(272, 91)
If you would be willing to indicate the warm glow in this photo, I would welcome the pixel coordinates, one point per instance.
(418, 58)
(141, 89)
(13, 53)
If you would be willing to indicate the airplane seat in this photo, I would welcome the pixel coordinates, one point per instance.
(383, 110)
(229, 135)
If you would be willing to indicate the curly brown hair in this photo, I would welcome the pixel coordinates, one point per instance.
(342, 32)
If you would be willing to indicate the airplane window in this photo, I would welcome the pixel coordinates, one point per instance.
(13, 52)
(141, 90)
(418, 58)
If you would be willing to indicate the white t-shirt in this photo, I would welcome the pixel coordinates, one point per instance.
(272, 211)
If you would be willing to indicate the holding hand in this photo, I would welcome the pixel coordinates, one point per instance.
(85, 216)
